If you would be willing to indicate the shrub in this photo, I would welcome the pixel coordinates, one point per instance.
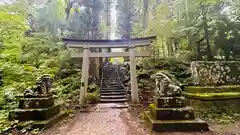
(93, 98)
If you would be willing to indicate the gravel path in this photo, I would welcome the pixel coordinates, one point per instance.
(105, 120)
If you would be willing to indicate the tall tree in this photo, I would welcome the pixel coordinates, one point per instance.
(125, 18)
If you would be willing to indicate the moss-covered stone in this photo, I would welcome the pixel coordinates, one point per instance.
(162, 116)
(216, 72)
(176, 125)
(213, 89)
(183, 113)
(213, 96)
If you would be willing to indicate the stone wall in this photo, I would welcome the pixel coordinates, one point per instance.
(215, 73)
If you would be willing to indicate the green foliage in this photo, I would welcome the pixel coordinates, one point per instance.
(201, 28)
(93, 97)
(24, 58)
(4, 124)
(219, 111)
(92, 87)
(67, 88)
(178, 68)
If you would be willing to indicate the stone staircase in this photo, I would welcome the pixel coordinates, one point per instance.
(112, 91)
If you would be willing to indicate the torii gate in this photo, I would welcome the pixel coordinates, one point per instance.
(131, 44)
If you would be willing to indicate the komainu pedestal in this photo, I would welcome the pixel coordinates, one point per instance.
(37, 105)
(169, 114)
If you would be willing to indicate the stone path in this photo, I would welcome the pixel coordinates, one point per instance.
(107, 119)
(104, 119)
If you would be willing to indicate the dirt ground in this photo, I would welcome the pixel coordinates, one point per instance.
(105, 120)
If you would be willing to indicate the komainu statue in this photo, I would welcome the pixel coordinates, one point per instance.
(164, 86)
(42, 87)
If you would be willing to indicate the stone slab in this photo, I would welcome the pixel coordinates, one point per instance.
(113, 88)
(183, 113)
(49, 122)
(176, 125)
(34, 114)
(31, 103)
(112, 93)
(169, 102)
(113, 97)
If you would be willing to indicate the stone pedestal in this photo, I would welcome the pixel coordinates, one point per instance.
(39, 109)
(169, 114)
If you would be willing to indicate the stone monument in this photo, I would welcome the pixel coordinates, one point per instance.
(37, 105)
(169, 113)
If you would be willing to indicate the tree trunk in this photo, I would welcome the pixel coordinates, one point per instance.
(205, 25)
(145, 13)
(95, 62)
(144, 23)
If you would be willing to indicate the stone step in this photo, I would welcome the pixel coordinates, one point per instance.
(109, 86)
(113, 97)
(109, 91)
(115, 83)
(110, 79)
(113, 93)
(49, 122)
(113, 100)
(113, 88)
(110, 82)
(34, 114)
(112, 85)
(176, 125)
(112, 105)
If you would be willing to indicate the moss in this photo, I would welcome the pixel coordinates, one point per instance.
(152, 106)
(203, 89)
(213, 96)
(93, 98)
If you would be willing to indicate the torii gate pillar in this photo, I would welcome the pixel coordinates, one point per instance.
(134, 85)
(84, 77)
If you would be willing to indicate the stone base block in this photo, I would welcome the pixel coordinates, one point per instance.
(183, 113)
(37, 96)
(176, 125)
(34, 114)
(31, 103)
(44, 124)
(165, 102)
